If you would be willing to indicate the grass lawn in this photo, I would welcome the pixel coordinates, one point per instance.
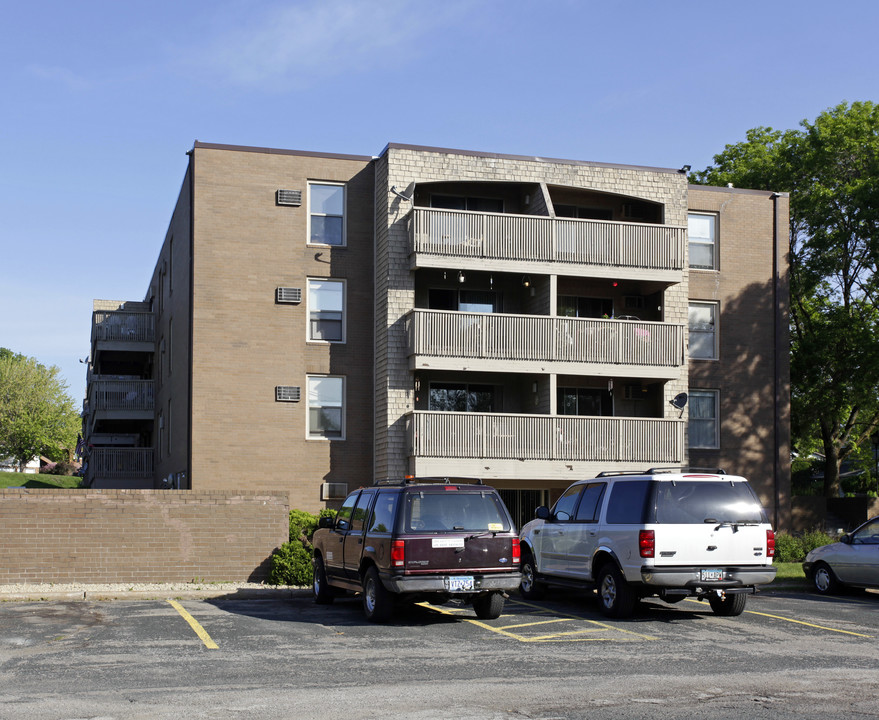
(29, 480)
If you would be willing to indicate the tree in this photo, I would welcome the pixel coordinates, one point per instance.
(37, 417)
(831, 169)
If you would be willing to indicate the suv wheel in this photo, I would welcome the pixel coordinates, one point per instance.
(615, 598)
(728, 606)
(377, 601)
(823, 579)
(489, 607)
(529, 588)
(322, 592)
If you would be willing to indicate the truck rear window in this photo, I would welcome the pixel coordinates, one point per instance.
(455, 511)
(693, 502)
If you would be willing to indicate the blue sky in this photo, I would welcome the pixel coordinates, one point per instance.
(101, 100)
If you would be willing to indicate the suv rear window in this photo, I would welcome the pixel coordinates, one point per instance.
(691, 502)
(452, 510)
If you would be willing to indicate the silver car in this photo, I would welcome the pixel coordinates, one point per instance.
(853, 561)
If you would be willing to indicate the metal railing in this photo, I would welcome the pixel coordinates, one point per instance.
(123, 326)
(531, 238)
(545, 437)
(121, 395)
(535, 337)
(120, 463)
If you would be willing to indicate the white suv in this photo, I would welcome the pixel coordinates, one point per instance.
(672, 534)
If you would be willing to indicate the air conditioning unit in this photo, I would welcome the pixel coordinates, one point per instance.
(288, 295)
(289, 197)
(287, 393)
(333, 491)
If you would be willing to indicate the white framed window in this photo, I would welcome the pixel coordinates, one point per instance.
(326, 213)
(704, 419)
(326, 407)
(326, 310)
(703, 330)
(702, 233)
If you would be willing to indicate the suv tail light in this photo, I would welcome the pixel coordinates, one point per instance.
(398, 553)
(517, 551)
(770, 543)
(647, 543)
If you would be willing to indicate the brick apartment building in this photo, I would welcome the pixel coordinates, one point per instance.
(315, 321)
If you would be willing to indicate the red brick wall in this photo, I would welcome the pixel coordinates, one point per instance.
(98, 536)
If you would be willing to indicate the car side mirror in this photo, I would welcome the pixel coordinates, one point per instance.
(326, 522)
(542, 513)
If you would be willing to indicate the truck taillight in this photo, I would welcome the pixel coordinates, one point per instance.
(770, 543)
(517, 551)
(646, 543)
(398, 553)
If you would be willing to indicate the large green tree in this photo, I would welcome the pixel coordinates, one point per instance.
(831, 168)
(37, 416)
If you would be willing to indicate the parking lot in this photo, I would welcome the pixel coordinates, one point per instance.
(791, 654)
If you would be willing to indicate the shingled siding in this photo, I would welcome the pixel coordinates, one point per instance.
(99, 536)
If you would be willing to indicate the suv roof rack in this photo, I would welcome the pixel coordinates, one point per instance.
(660, 470)
(445, 480)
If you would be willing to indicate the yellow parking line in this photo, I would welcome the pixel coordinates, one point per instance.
(193, 623)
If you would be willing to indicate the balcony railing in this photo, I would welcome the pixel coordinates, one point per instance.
(120, 464)
(545, 437)
(548, 339)
(502, 236)
(123, 326)
(121, 395)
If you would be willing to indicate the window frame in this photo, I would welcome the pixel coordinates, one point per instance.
(309, 406)
(344, 319)
(715, 221)
(715, 333)
(696, 392)
(343, 240)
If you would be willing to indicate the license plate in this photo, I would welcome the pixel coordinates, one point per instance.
(459, 583)
(711, 574)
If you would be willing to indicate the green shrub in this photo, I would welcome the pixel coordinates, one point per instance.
(794, 548)
(291, 563)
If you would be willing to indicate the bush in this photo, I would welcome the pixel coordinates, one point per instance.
(291, 563)
(794, 548)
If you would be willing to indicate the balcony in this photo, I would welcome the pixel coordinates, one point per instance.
(123, 330)
(543, 245)
(120, 467)
(495, 342)
(494, 445)
(121, 399)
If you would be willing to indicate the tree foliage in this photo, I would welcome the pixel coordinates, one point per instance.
(37, 416)
(831, 168)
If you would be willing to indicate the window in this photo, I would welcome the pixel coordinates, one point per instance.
(460, 397)
(703, 419)
(326, 310)
(702, 231)
(326, 214)
(326, 407)
(584, 401)
(703, 330)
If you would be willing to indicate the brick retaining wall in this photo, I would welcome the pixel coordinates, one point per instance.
(100, 536)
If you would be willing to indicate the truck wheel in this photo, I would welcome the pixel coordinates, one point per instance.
(729, 606)
(377, 601)
(320, 589)
(615, 598)
(489, 607)
(529, 588)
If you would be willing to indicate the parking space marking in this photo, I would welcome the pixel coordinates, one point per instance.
(801, 622)
(194, 624)
(595, 628)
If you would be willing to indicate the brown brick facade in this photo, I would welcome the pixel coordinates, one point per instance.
(143, 536)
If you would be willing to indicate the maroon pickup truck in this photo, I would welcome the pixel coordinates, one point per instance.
(418, 540)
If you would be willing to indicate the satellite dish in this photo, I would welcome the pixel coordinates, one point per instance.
(679, 401)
